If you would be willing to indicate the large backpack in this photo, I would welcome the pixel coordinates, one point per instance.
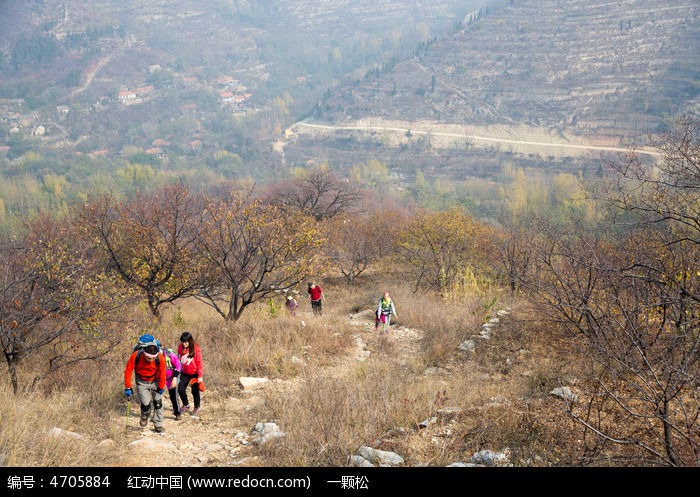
(385, 306)
(143, 342)
(166, 353)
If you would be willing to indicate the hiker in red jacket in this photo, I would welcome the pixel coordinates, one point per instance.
(316, 296)
(148, 366)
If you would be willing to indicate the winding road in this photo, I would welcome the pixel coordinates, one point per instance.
(645, 151)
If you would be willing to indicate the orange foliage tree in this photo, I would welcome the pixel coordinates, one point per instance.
(148, 241)
(438, 249)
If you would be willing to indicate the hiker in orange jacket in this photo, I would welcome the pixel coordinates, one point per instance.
(148, 366)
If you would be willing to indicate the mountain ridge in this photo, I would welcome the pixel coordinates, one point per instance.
(202, 80)
(601, 61)
(572, 75)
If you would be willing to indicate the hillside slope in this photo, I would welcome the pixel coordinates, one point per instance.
(556, 71)
(606, 70)
(226, 435)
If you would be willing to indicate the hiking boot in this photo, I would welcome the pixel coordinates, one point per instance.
(160, 429)
(184, 408)
(195, 412)
(143, 421)
(178, 416)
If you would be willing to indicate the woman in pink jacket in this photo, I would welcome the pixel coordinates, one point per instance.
(190, 372)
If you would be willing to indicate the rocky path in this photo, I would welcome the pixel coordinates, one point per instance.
(224, 434)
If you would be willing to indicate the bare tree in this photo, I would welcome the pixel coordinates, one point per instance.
(515, 253)
(351, 245)
(317, 193)
(56, 299)
(357, 242)
(254, 251)
(631, 293)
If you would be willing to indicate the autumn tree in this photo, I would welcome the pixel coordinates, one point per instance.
(630, 293)
(148, 241)
(373, 174)
(441, 249)
(57, 304)
(357, 242)
(253, 251)
(317, 193)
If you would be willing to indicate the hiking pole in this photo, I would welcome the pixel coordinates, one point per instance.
(128, 411)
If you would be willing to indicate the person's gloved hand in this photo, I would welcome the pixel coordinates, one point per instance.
(161, 390)
(201, 385)
(127, 392)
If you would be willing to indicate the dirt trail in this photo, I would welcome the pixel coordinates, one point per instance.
(92, 71)
(223, 434)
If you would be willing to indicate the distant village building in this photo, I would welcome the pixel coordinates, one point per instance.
(12, 118)
(191, 80)
(157, 151)
(226, 97)
(236, 100)
(144, 90)
(227, 81)
(239, 100)
(127, 97)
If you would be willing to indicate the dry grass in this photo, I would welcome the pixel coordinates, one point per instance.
(328, 403)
